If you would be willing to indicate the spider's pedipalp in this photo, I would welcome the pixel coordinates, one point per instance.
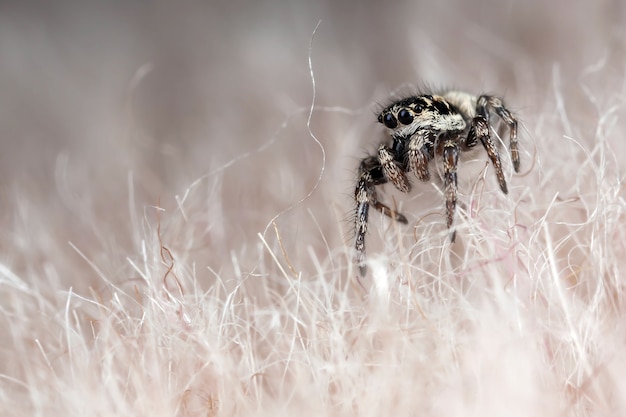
(418, 154)
(392, 170)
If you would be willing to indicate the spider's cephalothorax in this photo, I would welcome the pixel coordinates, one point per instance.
(420, 128)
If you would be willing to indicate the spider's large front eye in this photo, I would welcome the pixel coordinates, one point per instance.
(405, 117)
(390, 121)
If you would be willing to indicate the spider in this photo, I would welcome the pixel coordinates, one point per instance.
(421, 127)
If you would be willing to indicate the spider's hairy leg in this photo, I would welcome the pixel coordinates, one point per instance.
(362, 197)
(486, 103)
(418, 154)
(480, 131)
(450, 163)
(391, 170)
(512, 123)
(370, 176)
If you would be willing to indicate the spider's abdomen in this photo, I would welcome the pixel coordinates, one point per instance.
(464, 103)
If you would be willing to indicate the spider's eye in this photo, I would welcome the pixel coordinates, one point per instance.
(405, 117)
(418, 109)
(390, 121)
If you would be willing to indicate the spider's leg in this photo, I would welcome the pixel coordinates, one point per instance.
(370, 175)
(480, 131)
(450, 163)
(486, 103)
(512, 122)
(391, 170)
(418, 154)
(362, 196)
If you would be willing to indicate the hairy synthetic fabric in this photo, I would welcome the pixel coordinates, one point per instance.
(177, 210)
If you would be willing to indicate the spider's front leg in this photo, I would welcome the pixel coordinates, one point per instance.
(370, 175)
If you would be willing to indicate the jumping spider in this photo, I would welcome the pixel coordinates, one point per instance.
(421, 127)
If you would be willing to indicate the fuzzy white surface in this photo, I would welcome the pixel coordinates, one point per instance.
(177, 216)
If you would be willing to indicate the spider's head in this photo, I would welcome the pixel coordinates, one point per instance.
(398, 115)
(405, 117)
